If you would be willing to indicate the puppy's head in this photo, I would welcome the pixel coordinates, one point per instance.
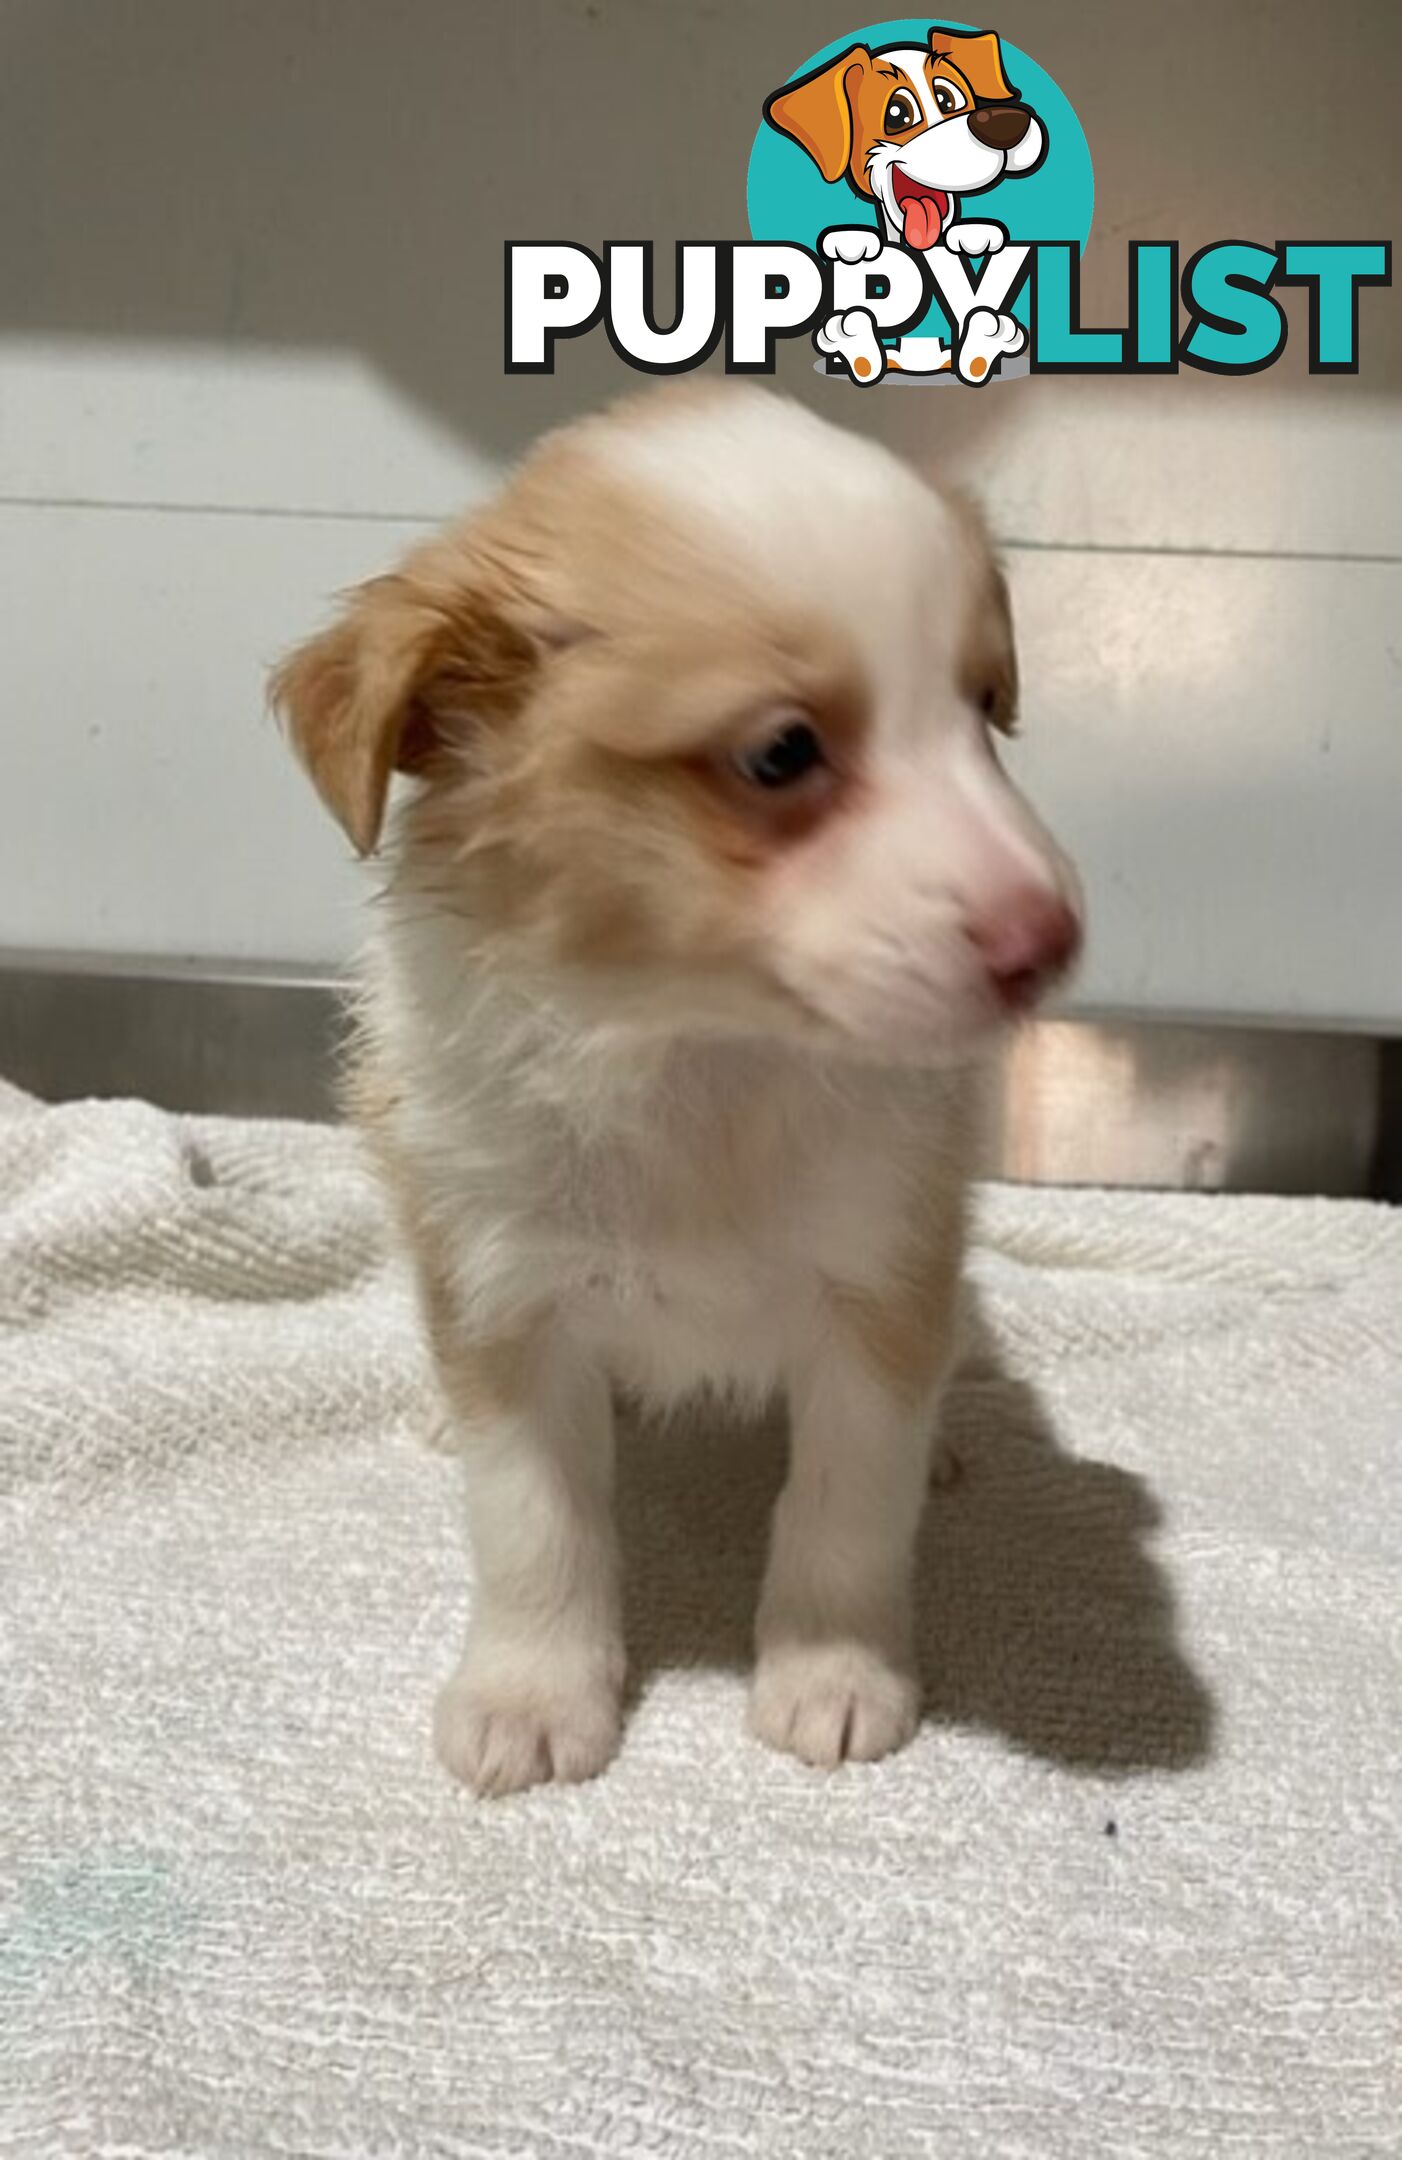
(702, 717)
(913, 128)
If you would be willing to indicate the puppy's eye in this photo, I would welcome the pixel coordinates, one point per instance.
(783, 759)
(947, 98)
(901, 113)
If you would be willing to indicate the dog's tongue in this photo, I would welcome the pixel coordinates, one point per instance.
(922, 221)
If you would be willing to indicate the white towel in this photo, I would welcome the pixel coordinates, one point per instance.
(1134, 1890)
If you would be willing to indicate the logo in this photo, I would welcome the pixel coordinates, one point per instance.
(920, 158)
(919, 197)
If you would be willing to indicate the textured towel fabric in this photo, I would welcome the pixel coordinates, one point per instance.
(1133, 1891)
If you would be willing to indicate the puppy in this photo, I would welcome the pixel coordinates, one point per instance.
(708, 898)
(913, 130)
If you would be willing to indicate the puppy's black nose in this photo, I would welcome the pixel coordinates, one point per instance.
(998, 127)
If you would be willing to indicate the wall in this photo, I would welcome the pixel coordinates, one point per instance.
(250, 343)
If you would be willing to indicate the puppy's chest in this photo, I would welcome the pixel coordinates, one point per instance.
(701, 1254)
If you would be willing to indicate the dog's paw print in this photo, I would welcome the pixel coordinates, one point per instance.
(987, 339)
(975, 236)
(854, 244)
(852, 338)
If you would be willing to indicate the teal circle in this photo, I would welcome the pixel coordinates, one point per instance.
(788, 199)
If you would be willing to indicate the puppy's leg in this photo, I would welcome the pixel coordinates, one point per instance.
(536, 1695)
(836, 1670)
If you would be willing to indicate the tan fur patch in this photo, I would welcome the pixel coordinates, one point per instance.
(483, 1380)
(974, 57)
(903, 1330)
(366, 697)
(819, 112)
(487, 1383)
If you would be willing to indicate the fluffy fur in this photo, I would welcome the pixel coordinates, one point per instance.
(673, 1075)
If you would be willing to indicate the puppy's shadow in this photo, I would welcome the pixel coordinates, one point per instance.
(1041, 1613)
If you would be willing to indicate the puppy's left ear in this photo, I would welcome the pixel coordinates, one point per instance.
(817, 112)
(412, 658)
(979, 58)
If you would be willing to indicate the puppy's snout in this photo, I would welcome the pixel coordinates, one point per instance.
(1025, 944)
(999, 127)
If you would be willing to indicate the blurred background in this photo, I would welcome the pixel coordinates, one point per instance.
(250, 346)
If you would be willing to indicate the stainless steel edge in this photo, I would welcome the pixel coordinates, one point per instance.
(234, 1040)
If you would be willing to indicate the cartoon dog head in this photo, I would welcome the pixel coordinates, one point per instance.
(912, 129)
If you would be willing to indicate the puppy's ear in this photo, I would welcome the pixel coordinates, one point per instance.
(979, 58)
(817, 112)
(410, 660)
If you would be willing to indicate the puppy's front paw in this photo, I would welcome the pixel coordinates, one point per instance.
(500, 1732)
(852, 338)
(986, 339)
(851, 244)
(975, 236)
(832, 1702)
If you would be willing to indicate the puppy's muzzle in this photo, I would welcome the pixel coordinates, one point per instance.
(999, 127)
